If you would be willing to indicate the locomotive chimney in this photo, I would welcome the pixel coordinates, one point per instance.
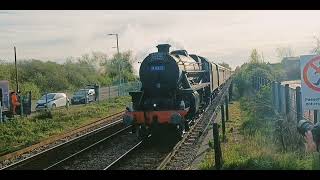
(164, 48)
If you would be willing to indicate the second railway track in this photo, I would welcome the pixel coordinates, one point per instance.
(146, 155)
(49, 157)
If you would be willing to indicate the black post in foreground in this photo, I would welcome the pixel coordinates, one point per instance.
(279, 97)
(287, 99)
(217, 148)
(227, 108)
(223, 123)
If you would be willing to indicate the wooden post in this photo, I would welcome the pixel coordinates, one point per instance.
(21, 106)
(230, 91)
(217, 147)
(227, 108)
(298, 104)
(287, 98)
(223, 123)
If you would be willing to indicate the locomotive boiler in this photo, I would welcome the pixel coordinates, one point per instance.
(176, 87)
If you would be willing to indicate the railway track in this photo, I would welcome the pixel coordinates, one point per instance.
(68, 148)
(100, 154)
(147, 156)
(185, 151)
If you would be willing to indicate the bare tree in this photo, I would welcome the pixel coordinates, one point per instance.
(316, 49)
(283, 52)
(255, 57)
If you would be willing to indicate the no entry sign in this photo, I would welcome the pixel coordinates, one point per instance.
(310, 82)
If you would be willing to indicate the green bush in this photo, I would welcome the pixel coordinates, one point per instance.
(29, 86)
(39, 77)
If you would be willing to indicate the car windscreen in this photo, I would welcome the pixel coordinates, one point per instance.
(49, 96)
(81, 92)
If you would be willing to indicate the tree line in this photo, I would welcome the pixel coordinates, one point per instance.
(40, 76)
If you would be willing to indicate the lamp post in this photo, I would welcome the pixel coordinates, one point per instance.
(119, 62)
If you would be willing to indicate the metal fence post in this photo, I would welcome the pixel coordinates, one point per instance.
(118, 90)
(217, 148)
(279, 97)
(29, 103)
(260, 82)
(287, 98)
(21, 106)
(298, 104)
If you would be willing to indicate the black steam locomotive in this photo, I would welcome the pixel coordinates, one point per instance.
(176, 87)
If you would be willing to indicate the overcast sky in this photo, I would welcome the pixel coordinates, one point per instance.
(227, 36)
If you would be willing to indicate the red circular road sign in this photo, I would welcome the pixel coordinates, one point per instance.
(311, 65)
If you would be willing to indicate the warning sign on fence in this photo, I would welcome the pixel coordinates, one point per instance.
(310, 82)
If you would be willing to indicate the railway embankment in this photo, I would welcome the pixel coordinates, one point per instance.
(23, 132)
(253, 139)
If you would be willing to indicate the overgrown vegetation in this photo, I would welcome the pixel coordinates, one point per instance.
(23, 132)
(257, 137)
(38, 76)
(253, 143)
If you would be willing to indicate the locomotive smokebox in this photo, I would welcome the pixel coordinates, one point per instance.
(164, 48)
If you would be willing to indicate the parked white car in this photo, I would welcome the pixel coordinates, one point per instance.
(53, 100)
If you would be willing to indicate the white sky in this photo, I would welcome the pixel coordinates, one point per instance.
(227, 36)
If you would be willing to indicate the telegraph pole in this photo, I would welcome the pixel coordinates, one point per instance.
(119, 65)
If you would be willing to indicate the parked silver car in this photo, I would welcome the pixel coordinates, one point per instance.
(53, 100)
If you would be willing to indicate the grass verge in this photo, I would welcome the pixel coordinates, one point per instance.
(251, 143)
(23, 132)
